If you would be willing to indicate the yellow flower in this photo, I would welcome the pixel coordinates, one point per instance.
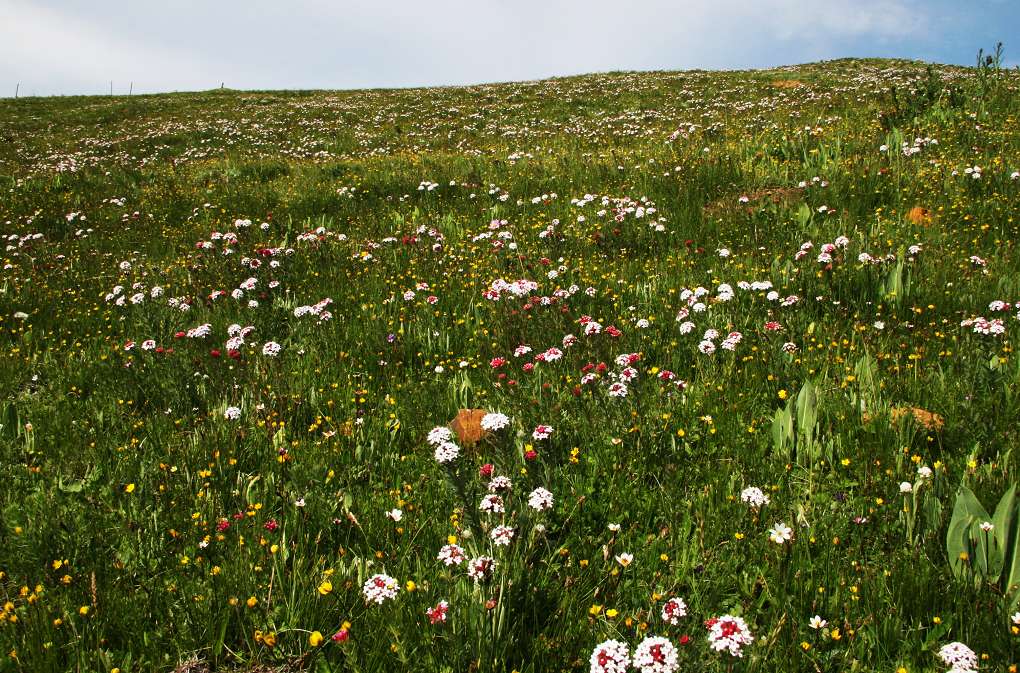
(252, 602)
(83, 610)
(451, 539)
(783, 394)
(410, 586)
(805, 646)
(594, 610)
(611, 613)
(835, 634)
(130, 488)
(315, 639)
(325, 588)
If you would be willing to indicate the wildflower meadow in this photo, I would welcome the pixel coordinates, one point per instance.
(670, 371)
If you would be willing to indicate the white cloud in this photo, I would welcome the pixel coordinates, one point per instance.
(62, 46)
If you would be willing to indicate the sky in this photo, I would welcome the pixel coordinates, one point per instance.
(64, 47)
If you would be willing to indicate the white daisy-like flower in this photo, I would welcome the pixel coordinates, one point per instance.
(780, 533)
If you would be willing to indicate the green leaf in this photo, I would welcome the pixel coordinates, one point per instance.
(957, 540)
(1003, 522)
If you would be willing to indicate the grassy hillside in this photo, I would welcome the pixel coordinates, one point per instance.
(740, 339)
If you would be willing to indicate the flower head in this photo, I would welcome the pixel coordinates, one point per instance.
(379, 588)
(611, 656)
(656, 655)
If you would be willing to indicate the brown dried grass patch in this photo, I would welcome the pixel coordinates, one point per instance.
(926, 419)
(777, 195)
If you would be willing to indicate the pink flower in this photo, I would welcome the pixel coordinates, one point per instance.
(437, 614)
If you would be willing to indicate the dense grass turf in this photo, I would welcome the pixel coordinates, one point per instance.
(231, 320)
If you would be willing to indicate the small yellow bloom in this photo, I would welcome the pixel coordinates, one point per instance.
(451, 539)
(805, 646)
(315, 639)
(611, 613)
(783, 394)
(130, 488)
(594, 610)
(83, 610)
(325, 588)
(410, 586)
(835, 634)
(252, 602)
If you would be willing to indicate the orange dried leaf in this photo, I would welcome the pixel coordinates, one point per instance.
(468, 426)
(919, 215)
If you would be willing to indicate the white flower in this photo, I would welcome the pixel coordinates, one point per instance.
(817, 622)
(656, 655)
(611, 656)
(446, 452)
(451, 555)
(395, 514)
(540, 499)
(624, 559)
(729, 633)
(500, 483)
(492, 504)
(780, 533)
(753, 496)
(481, 568)
(958, 656)
(271, 349)
(906, 487)
(378, 588)
(673, 610)
(232, 413)
(494, 421)
(617, 389)
(502, 536)
(438, 435)
(986, 526)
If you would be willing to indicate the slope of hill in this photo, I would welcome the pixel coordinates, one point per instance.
(741, 342)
